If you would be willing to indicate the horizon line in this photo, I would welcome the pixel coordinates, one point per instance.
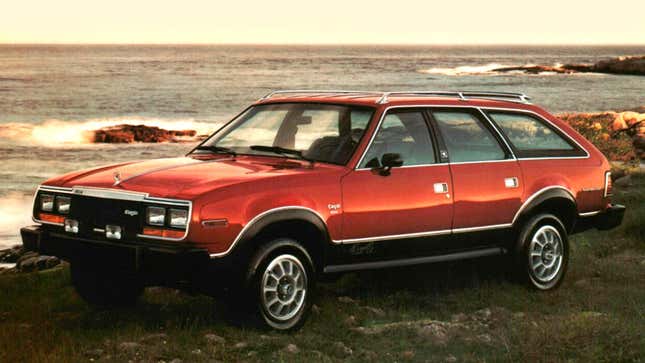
(324, 44)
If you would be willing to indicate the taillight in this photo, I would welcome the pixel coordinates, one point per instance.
(608, 185)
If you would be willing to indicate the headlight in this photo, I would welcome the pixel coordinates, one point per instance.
(63, 204)
(46, 202)
(178, 218)
(156, 216)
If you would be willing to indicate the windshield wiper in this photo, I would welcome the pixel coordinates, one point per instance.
(217, 149)
(281, 151)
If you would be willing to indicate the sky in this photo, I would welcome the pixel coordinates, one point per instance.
(323, 22)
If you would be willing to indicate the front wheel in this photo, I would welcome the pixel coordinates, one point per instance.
(282, 283)
(543, 253)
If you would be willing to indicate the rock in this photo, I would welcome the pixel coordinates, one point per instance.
(376, 311)
(624, 181)
(519, 315)
(643, 263)
(408, 354)
(450, 359)
(47, 262)
(621, 65)
(121, 134)
(316, 309)
(341, 350)
(437, 333)
(27, 264)
(176, 360)
(129, 346)
(215, 339)
(252, 353)
(292, 348)
(196, 351)
(351, 320)
(11, 255)
(346, 300)
(241, 345)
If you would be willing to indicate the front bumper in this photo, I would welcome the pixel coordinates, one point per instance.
(155, 264)
(610, 218)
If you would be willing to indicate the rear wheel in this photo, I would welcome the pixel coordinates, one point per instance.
(104, 287)
(543, 253)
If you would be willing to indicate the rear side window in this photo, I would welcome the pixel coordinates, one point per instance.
(533, 137)
(467, 138)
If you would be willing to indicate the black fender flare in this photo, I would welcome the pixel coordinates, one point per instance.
(544, 195)
(282, 214)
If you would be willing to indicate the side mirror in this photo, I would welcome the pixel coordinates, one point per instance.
(389, 161)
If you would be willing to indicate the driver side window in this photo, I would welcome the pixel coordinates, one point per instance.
(404, 133)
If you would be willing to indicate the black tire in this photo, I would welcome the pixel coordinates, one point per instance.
(105, 287)
(542, 267)
(287, 253)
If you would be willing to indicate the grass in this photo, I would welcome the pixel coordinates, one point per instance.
(463, 311)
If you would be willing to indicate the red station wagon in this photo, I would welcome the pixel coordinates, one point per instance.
(304, 184)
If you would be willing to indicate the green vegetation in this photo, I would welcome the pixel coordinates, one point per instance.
(465, 311)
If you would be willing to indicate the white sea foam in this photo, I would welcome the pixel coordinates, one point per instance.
(15, 212)
(58, 132)
(464, 70)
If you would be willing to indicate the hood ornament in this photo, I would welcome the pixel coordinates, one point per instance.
(117, 178)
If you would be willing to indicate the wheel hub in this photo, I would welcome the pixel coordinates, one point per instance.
(545, 253)
(284, 287)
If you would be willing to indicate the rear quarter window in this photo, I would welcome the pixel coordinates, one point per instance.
(531, 136)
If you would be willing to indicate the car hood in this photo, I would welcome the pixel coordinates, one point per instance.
(184, 177)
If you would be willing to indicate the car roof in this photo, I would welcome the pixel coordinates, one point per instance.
(404, 98)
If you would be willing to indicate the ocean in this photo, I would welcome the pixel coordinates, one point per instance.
(50, 94)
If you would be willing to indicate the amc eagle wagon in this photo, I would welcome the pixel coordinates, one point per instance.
(307, 184)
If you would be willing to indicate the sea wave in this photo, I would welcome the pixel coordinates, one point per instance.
(15, 212)
(59, 132)
(496, 69)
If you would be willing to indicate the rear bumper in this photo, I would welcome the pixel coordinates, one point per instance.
(608, 219)
(156, 265)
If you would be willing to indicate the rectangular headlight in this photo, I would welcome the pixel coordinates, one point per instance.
(46, 202)
(156, 216)
(63, 204)
(178, 218)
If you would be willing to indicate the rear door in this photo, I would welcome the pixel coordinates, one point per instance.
(486, 178)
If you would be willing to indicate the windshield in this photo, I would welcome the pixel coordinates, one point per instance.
(320, 132)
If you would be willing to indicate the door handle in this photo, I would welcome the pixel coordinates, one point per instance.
(441, 188)
(511, 182)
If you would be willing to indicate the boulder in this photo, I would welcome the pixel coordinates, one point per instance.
(125, 134)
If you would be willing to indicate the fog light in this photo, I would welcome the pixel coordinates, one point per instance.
(71, 226)
(112, 232)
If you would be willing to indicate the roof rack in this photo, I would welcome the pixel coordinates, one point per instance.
(384, 96)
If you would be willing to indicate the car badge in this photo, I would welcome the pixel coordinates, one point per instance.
(117, 177)
(131, 213)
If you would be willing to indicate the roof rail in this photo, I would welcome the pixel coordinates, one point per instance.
(330, 92)
(384, 96)
(462, 95)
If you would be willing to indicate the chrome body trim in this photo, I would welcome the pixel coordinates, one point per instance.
(393, 237)
(106, 193)
(258, 217)
(414, 261)
(589, 214)
(481, 228)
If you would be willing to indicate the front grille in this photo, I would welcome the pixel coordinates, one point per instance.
(95, 213)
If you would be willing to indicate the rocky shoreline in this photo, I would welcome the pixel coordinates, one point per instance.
(16, 259)
(127, 134)
(621, 65)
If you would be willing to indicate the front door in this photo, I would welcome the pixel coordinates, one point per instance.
(409, 202)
